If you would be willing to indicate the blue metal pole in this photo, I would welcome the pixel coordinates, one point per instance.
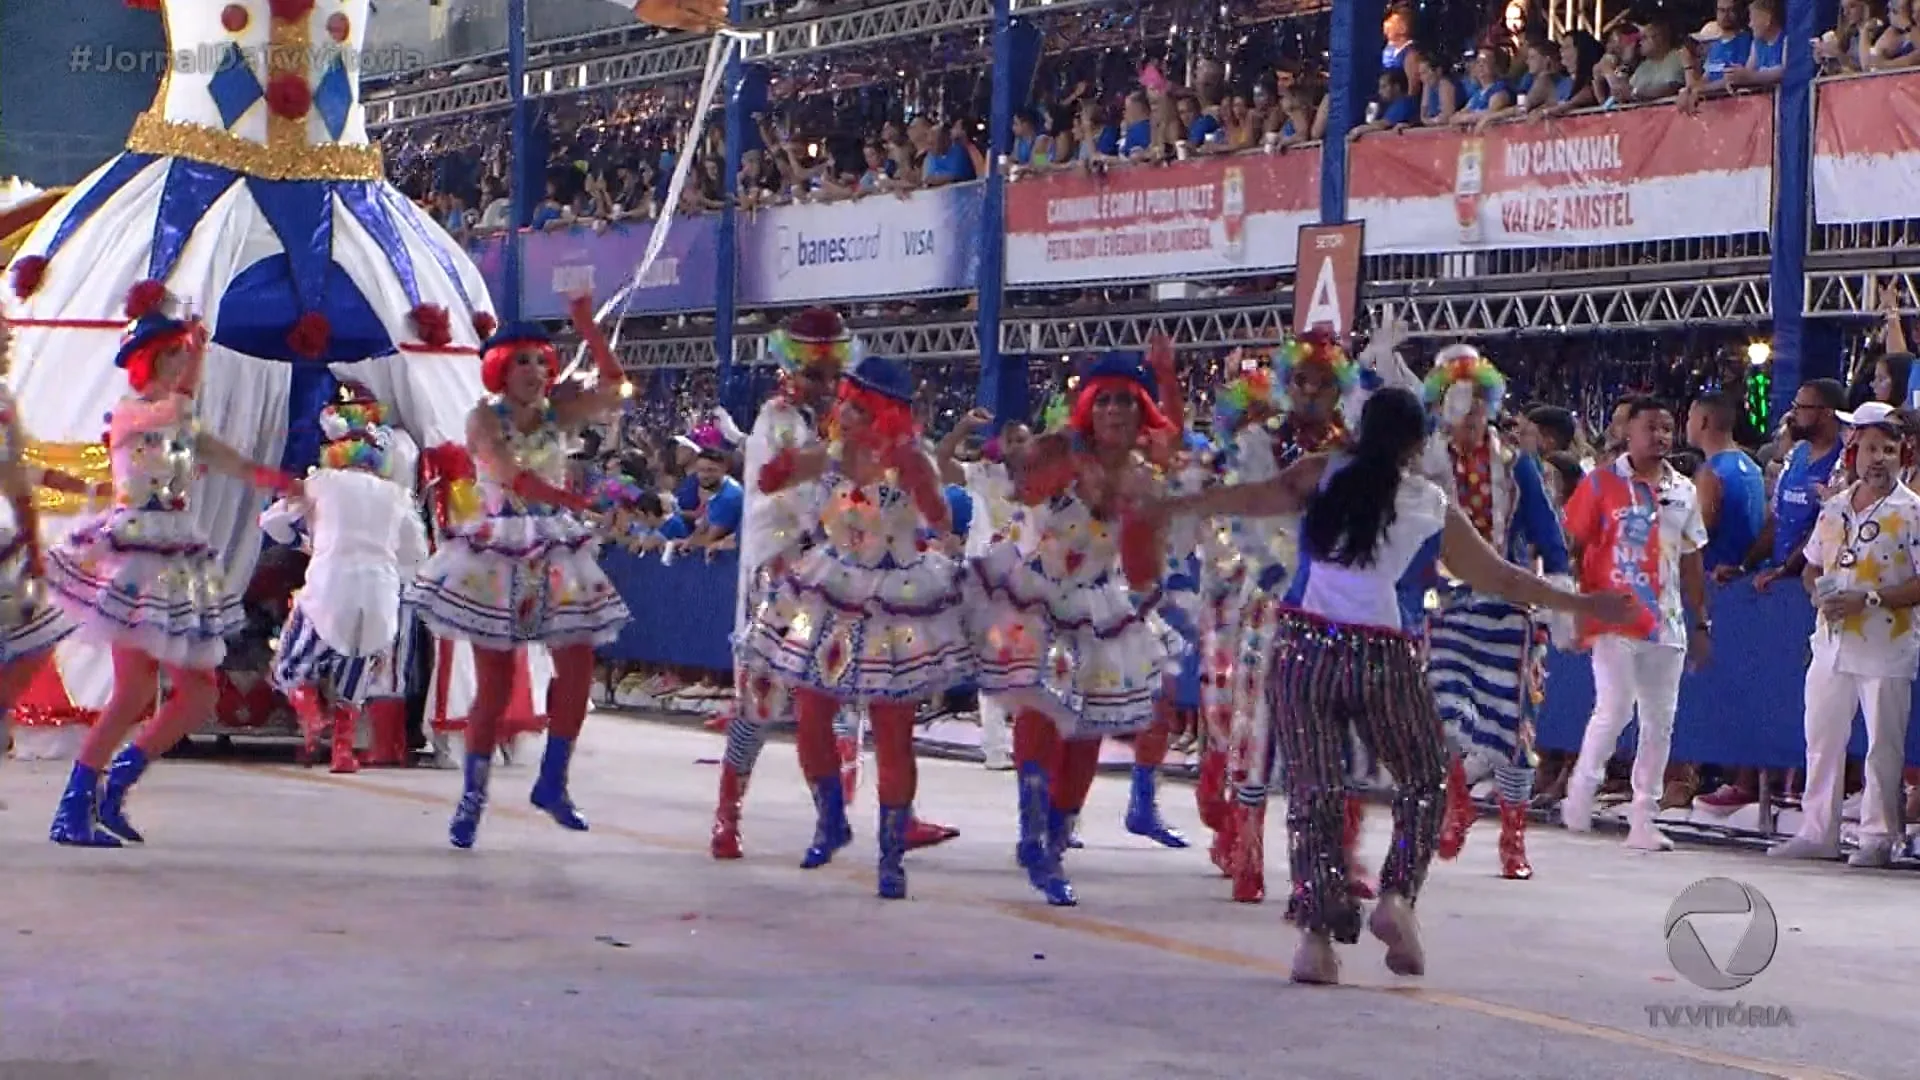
(727, 265)
(1353, 65)
(993, 207)
(521, 197)
(1802, 348)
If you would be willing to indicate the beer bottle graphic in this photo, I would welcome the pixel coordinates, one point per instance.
(1233, 209)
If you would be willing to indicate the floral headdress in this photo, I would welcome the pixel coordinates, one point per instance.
(1461, 375)
(1321, 349)
(1251, 387)
(815, 336)
(356, 436)
(615, 493)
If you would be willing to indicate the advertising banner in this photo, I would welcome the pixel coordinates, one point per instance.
(1866, 149)
(877, 246)
(1628, 175)
(1207, 216)
(1326, 288)
(559, 263)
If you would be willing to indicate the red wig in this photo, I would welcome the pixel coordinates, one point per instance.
(892, 418)
(1081, 421)
(495, 362)
(139, 363)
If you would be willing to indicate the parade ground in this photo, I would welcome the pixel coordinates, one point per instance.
(284, 923)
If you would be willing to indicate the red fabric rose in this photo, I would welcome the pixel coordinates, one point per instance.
(289, 96)
(145, 297)
(484, 324)
(431, 323)
(309, 335)
(27, 273)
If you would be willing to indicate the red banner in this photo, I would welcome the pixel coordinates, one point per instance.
(1211, 215)
(1650, 173)
(1866, 149)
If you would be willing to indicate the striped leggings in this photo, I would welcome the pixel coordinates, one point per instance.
(759, 702)
(1328, 680)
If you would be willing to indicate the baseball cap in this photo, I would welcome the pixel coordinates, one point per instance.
(1709, 32)
(1873, 414)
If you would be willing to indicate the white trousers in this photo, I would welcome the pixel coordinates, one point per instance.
(1629, 675)
(996, 739)
(1831, 699)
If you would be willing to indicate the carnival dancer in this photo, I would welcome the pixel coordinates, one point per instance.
(863, 616)
(365, 538)
(1486, 657)
(1369, 538)
(1066, 628)
(30, 624)
(1636, 520)
(142, 579)
(1272, 419)
(813, 350)
(526, 572)
(1863, 571)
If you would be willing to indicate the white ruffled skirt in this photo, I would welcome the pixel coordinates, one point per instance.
(1093, 655)
(513, 580)
(146, 579)
(861, 633)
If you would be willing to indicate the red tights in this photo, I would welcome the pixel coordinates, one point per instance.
(899, 773)
(493, 672)
(136, 677)
(1071, 763)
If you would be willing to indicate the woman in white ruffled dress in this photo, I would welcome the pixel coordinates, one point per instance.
(526, 571)
(1067, 632)
(868, 614)
(142, 579)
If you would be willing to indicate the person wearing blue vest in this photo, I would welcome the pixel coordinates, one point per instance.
(1814, 424)
(1733, 493)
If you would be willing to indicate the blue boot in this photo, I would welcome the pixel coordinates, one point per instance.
(830, 831)
(893, 849)
(550, 791)
(1143, 812)
(1041, 844)
(473, 802)
(129, 765)
(76, 821)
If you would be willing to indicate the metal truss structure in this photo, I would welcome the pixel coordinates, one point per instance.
(683, 57)
(1844, 293)
(1729, 301)
(1733, 301)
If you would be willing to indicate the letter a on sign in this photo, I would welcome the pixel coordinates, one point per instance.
(1326, 281)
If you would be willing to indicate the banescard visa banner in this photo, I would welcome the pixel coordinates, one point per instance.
(1866, 149)
(876, 246)
(1207, 216)
(1652, 173)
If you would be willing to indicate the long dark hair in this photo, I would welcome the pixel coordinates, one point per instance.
(1348, 517)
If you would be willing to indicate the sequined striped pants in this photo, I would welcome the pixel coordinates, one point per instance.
(1330, 678)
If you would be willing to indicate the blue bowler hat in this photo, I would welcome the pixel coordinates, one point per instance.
(1131, 366)
(517, 333)
(147, 329)
(884, 377)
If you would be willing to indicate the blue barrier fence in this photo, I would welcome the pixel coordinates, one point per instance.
(1743, 709)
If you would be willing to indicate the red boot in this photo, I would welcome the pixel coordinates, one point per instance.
(849, 750)
(1460, 812)
(312, 714)
(922, 834)
(725, 843)
(1224, 838)
(346, 723)
(389, 719)
(1249, 858)
(1513, 842)
(1211, 793)
(1358, 883)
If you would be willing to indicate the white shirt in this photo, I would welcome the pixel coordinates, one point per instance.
(995, 513)
(1683, 531)
(1369, 595)
(1870, 550)
(366, 539)
(768, 523)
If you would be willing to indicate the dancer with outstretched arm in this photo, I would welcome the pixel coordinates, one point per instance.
(1343, 660)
